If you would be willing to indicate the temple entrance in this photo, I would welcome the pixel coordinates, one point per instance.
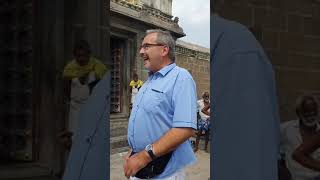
(118, 75)
(17, 83)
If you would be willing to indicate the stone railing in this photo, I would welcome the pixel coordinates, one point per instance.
(147, 10)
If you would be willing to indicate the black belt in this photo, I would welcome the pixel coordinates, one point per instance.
(154, 168)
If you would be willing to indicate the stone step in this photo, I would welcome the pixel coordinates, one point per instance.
(118, 131)
(27, 171)
(118, 142)
(114, 123)
(119, 150)
(118, 116)
(118, 123)
(118, 127)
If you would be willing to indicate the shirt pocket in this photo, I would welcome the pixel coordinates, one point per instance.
(153, 99)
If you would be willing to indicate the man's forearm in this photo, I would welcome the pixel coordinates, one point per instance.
(171, 140)
(205, 112)
(303, 153)
(306, 161)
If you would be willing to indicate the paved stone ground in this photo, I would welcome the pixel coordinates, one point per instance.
(198, 171)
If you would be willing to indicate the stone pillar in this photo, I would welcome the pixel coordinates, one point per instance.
(49, 58)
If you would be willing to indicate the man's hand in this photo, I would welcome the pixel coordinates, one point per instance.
(303, 153)
(125, 159)
(136, 162)
(168, 142)
(205, 109)
(171, 140)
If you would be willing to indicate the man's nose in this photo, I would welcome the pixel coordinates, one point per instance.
(141, 51)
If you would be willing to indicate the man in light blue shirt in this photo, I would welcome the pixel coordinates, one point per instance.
(163, 117)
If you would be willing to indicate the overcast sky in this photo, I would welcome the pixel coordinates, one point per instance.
(194, 18)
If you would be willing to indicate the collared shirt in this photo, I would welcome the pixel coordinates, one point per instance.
(290, 140)
(166, 100)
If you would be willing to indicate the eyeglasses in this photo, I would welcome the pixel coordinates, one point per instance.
(147, 45)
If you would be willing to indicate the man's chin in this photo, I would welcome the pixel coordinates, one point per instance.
(147, 67)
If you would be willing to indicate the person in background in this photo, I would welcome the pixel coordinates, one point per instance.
(204, 121)
(300, 141)
(135, 85)
(80, 76)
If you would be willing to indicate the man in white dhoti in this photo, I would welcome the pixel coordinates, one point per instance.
(80, 76)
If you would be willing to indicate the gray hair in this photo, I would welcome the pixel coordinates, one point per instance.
(205, 92)
(164, 37)
(301, 100)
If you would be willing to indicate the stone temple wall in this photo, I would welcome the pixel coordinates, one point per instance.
(195, 59)
(289, 30)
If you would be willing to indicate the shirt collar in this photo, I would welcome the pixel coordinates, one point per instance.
(164, 70)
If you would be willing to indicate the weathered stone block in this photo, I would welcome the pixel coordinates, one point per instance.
(295, 23)
(291, 42)
(312, 26)
(258, 2)
(270, 18)
(239, 13)
(298, 79)
(270, 39)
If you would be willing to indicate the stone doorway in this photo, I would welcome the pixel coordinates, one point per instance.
(118, 76)
(17, 83)
(121, 57)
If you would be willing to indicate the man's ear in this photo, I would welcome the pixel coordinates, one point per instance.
(165, 51)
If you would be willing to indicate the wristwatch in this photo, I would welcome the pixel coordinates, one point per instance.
(149, 150)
